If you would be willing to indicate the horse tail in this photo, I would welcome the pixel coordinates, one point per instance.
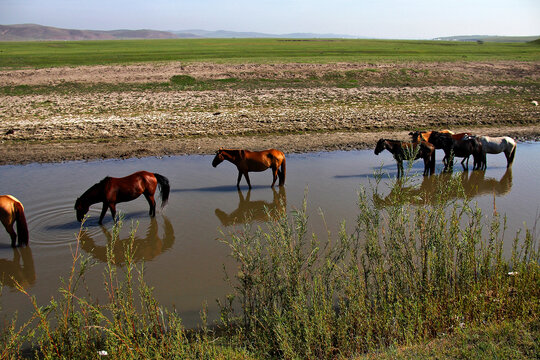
(282, 173)
(164, 188)
(22, 226)
(512, 154)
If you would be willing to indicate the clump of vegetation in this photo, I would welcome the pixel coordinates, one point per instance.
(183, 80)
(405, 275)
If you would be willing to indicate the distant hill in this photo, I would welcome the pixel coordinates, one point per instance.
(27, 32)
(237, 34)
(489, 38)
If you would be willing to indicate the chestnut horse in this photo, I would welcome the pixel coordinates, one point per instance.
(111, 191)
(247, 161)
(408, 151)
(11, 211)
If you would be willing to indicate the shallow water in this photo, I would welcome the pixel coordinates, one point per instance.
(183, 257)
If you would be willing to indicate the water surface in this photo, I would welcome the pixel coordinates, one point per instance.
(180, 247)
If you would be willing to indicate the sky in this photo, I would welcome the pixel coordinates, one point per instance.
(395, 19)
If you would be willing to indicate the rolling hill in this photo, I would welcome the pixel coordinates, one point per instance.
(27, 32)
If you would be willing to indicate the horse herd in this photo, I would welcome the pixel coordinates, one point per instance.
(463, 145)
(111, 191)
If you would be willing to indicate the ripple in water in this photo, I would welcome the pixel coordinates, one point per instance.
(54, 224)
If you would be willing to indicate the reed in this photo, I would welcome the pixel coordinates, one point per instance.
(405, 274)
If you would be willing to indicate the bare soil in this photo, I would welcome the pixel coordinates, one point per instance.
(484, 98)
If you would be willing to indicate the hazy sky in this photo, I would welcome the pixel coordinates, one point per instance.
(398, 19)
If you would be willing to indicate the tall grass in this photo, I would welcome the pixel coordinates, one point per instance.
(130, 324)
(403, 275)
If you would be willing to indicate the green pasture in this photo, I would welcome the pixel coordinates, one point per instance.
(16, 55)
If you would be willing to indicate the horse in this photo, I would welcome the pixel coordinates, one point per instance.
(111, 191)
(11, 211)
(496, 145)
(418, 136)
(452, 146)
(408, 151)
(247, 161)
(424, 136)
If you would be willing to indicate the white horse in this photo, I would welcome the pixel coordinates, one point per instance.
(496, 145)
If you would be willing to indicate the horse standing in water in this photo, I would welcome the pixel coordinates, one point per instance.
(453, 146)
(11, 211)
(111, 191)
(247, 161)
(409, 151)
(496, 145)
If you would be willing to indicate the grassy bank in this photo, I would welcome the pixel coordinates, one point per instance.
(40, 54)
(404, 279)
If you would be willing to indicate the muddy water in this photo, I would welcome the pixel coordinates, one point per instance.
(180, 248)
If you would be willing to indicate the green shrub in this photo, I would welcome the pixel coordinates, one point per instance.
(183, 80)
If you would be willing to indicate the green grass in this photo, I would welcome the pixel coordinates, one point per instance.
(16, 55)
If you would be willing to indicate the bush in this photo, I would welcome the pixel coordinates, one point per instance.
(183, 80)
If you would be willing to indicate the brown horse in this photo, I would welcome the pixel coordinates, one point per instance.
(408, 151)
(111, 191)
(424, 135)
(247, 161)
(11, 211)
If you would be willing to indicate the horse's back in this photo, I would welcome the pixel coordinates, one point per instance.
(496, 144)
(8, 208)
(8, 201)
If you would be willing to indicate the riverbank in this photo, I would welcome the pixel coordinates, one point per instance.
(14, 152)
(100, 112)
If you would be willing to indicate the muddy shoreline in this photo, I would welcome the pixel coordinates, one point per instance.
(65, 114)
(25, 153)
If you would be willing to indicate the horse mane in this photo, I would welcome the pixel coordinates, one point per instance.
(94, 188)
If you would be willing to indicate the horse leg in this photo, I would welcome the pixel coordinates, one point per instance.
(113, 211)
(246, 175)
(152, 202)
(463, 165)
(238, 180)
(103, 212)
(12, 234)
(274, 176)
(399, 169)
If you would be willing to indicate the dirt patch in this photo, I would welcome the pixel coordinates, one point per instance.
(162, 72)
(58, 126)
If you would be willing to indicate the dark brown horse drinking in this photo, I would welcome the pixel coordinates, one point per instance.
(11, 211)
(409, 151)
(452, 146)
(111, 191)
(247, 161)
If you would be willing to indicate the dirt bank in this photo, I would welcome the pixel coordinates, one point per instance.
(45, 124)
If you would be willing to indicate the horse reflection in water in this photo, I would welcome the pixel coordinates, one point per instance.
(440, 188)
(257, 210)
(145, 249)
(20, 269)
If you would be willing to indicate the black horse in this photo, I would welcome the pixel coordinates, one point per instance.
(409, 151)
(463, 148)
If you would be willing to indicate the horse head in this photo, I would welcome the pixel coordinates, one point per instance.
(380, 146)
(82, 209)
(218, 159)
(418, 136)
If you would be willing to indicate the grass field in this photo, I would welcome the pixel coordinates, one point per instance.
(14, 55)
